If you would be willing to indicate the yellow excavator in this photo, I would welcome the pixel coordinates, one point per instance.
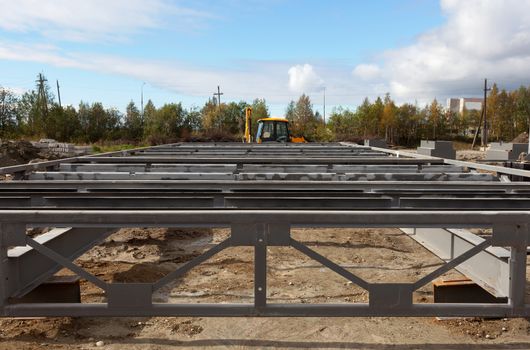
(269, 130)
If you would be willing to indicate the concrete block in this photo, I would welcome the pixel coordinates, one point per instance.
(442, 149)
(380, 143)
(505, 150)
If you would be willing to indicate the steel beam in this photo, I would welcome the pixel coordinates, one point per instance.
(223, 217)
(271, 310)
(490, 268)
(27, 268)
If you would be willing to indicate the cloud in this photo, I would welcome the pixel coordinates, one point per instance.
(249, 80)
(91, 20)
(304, 79)
(367, 71)
(479, 39)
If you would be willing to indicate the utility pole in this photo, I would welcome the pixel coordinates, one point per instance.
(324, 111)
(59, 94)
(142, 98)
(218, 94)
(484, 137)
(42, 100)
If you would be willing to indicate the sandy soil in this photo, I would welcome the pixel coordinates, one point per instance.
(136, 255)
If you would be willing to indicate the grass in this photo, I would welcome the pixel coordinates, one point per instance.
(113, 148)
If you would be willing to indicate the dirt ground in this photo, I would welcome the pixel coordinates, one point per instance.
(139, 255)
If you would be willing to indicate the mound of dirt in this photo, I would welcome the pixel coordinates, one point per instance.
(521, 138)
(21, 152)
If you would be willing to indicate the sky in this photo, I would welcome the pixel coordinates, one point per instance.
(180, 51)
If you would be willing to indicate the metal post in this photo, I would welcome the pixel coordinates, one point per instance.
(142, 98)
(260, 268)
(518, 278)
(3, 277)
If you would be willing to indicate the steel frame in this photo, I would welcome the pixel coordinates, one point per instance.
(263, 192)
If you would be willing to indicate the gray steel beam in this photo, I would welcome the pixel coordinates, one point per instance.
(470, 165)
(490, 268)
(261, 160)
(27, 268)
(223, 217)
(258, 200)
(271, 310)
(262, 176)
(231, 168)
(371, 186)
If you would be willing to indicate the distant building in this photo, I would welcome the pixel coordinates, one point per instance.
(457, 105)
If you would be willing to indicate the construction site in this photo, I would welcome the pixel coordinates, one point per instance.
(272, 245)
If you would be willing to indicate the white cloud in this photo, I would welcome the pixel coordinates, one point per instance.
(367, 71)
(264, 80)
(90, 20)
(479, 39)
(304, 79)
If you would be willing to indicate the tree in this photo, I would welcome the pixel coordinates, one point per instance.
(63, 124)
(388, 116)
(193, 120)
(28, 113)
(289, 111)
(166, 124)
(260, 110)
(344, 124)
(8, 112)
(304, 122)
(134, 123)
(522, 109)
(149, 117)
(435, 118)
(97, 123)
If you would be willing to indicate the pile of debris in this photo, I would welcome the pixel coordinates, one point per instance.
(62, 148)
(21, 152)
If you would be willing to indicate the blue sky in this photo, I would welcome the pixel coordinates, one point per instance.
(414, 49)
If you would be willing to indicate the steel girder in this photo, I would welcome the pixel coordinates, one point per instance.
(362, 187)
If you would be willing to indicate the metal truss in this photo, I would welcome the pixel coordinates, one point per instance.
(261, 192)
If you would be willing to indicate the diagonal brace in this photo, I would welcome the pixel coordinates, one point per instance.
(191, 264)
(452, 264)
(66, 263)
(329, 264)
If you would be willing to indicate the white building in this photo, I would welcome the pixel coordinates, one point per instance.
(469, 103)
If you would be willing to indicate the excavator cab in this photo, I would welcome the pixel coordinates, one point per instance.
(269, 130)
(273, 130)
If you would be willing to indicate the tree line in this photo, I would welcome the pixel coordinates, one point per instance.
(36, 114)
(507, 115)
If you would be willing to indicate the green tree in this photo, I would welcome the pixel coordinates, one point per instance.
(522, 109)
(63, 124)
(304, 122)
(435, 119)
(8, 113)
(167, 124)
(134, 123)
(97, 123)
(388, 116)
(260, 110)
(28, 114)
(193, 120)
